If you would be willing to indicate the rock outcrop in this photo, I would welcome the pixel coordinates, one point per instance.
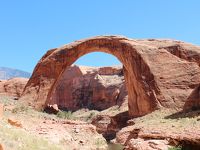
(14, 122)
(13, 87)
(138, 138)
(51, 109)
(108, 126)
(193, 101)
(89, 87)
(158, 73)
(150, 144)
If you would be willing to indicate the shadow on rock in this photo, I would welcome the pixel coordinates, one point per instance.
(184, 114)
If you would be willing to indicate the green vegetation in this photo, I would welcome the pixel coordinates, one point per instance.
(65, 115)
(175, 148)
(115, 146)
(15, 138)
(100, 143)
(20, 108)
(92, 114)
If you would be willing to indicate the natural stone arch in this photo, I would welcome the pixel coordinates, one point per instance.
(144, 71)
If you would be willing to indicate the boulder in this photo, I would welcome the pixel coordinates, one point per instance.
(51, 109)
(108, 126)
(14, 122)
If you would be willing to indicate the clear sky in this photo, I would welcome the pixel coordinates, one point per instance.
(28, 28)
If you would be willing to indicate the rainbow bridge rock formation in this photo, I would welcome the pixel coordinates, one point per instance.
(158, 73)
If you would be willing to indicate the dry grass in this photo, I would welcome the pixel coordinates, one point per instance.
(18, 139)
(169, 119)
(24, 138)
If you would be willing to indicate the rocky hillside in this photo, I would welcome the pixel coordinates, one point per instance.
(7, 73)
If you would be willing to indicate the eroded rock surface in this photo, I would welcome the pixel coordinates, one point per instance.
(193, 101)
(158, 73)
(13, 87)
(141, 144)
(89, 87)
(108, 125)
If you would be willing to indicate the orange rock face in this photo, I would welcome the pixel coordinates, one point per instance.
(13, 87)
(14, 122)
(158, 73)
(89, 87)
(193, 101)
(1, 147)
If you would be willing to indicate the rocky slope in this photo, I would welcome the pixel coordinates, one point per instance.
(23, 128)
(7, 73)
(162, 130)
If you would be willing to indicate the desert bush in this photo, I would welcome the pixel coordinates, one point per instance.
(175, 148)
(90, 116)
(65, 115)
(20, 108)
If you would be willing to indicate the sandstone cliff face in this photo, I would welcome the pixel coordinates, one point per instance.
(13, 87)
(158, 73)
(89, 87)
(193, 101)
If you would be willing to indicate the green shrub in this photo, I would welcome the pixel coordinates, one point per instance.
(65, 114)
(20, 108)
(90, 116)
(175, 148)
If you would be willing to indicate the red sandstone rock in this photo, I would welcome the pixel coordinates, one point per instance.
(109, 125)
(13, 87)
(193, 101)
(131, 135)
(158, 73)
(14, 122)
(1, 147)
(89, 87)
(141, 144)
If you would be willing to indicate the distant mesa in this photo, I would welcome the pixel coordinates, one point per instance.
(7, 73)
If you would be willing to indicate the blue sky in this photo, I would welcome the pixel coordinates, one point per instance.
(29, 28)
